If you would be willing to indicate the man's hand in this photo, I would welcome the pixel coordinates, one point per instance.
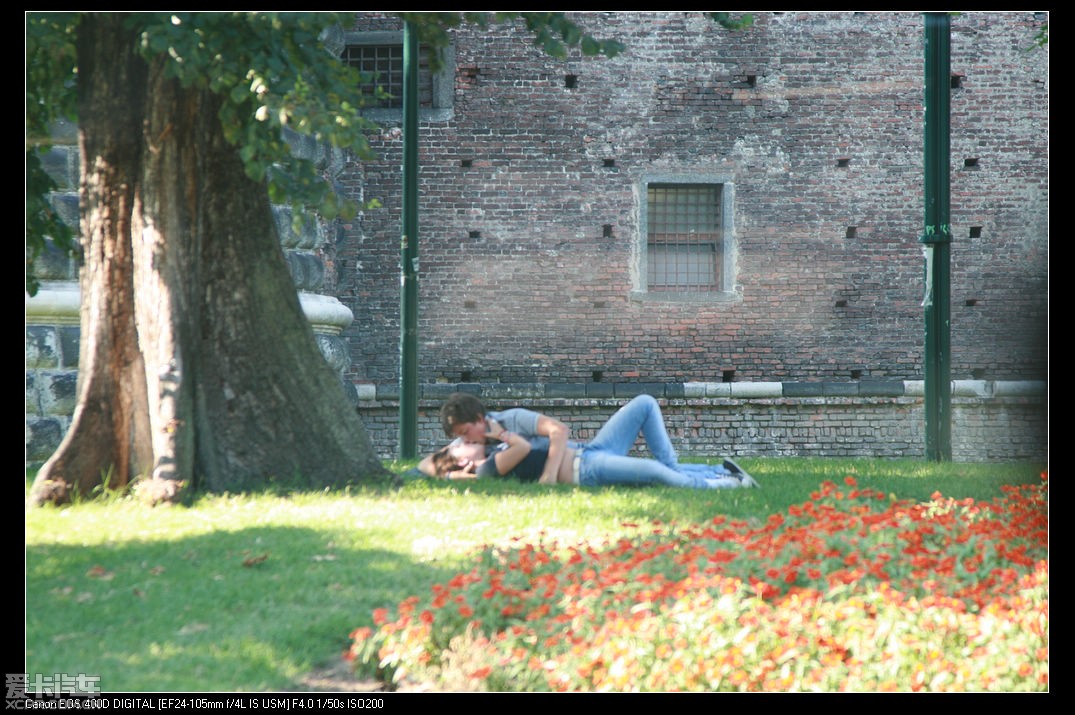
(494, 430)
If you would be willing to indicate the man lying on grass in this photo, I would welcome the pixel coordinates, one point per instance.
(535, 447)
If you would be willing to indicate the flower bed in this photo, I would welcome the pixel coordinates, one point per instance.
(850, 591)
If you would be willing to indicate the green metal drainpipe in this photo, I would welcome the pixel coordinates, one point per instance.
(408, 337)
(937, 239)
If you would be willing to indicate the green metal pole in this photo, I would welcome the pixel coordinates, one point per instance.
(408, 340)
(937, 239)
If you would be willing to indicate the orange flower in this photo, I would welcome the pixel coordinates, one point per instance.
(652, 590)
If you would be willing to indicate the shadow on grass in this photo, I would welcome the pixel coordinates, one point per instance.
(253, 608)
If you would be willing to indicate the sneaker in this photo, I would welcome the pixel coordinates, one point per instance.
(740, 474)
(728, 482)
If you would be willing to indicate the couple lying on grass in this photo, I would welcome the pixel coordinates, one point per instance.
(535, 447)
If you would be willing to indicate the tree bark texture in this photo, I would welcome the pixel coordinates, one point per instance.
(197, 364)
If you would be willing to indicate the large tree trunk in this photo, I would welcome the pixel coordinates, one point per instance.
(197, 364)
(109, 433)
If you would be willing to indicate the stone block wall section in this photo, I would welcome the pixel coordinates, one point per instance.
(991, 421)
(51, 377)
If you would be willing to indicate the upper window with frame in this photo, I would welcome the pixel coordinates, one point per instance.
(384, 63)
(686, 251)
(379, 55)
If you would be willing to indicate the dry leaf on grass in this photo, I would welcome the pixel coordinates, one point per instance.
(255, 560)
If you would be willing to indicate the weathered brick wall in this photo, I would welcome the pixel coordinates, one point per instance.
(520, 279)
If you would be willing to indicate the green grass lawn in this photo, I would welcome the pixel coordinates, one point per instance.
(250, 593)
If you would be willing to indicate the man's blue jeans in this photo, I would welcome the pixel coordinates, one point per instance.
(605, 460)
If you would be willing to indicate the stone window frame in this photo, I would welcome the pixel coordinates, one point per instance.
(443, 81)
(728, 291)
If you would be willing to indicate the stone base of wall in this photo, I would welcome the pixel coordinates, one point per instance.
(990, 421)
(995, 422)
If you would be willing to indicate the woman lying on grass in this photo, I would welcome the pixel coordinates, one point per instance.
(602, 461)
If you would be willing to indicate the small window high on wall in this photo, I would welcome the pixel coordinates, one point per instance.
(684, 242)
(384, 63)
(379, 55)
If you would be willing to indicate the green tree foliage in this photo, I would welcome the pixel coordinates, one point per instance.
(728, 22)
(50, 83)
(1041, 39)
(276, 76)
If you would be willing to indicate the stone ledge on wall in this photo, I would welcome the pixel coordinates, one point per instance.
(701, 390)
(55, 303)
(58, 303)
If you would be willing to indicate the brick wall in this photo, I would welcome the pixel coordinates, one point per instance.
(999, 428)
(817, 121)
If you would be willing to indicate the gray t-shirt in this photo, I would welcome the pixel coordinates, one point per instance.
(521, 421)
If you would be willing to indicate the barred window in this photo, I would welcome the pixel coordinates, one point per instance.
(384, 64)
(684, 238)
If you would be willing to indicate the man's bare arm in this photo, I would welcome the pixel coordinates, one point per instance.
(557, 432)
(426, 466)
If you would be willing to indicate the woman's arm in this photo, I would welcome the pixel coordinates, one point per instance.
(518, 447)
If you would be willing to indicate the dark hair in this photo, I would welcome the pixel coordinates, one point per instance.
(459, 409)
(443, 462)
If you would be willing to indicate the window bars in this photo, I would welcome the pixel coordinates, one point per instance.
(684, 244)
